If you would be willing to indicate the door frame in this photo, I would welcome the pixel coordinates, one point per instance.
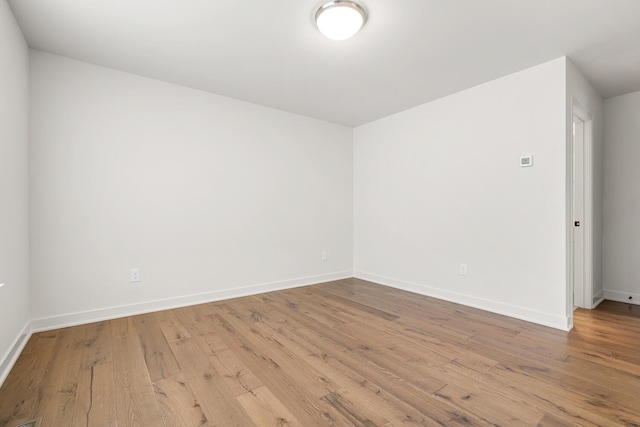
(587, 222)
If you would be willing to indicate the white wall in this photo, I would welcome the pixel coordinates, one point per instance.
(207, 195)
(622, 198)
(440, 185)
(580, 92)
(14, 210)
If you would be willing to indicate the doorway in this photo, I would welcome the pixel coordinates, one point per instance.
(582, 214)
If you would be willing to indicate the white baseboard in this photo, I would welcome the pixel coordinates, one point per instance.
(523, 313)
(597, 299)
(622, 296)
(11, 356)
(84, 317)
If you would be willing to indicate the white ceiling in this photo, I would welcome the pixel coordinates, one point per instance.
(409, 52)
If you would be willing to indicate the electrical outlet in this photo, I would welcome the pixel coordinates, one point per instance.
(526, 161)
(463, 269)
(323, 256)
(135, 275)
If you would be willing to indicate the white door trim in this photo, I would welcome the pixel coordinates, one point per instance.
(587, 223)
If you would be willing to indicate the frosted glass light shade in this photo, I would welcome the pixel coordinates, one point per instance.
(340, 20)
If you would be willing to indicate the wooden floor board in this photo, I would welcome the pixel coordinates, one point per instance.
(37, 352)
(157, 355)
(344, 353)
(280, 378)
(368, 395)
(218, 404)
(57, 391)
(171, 327)
(95, 400)
(96, 343)
(135, 399)
(266, 410)
(178, 405)
(19, 396)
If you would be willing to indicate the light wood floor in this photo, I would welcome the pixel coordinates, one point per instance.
(337, 354)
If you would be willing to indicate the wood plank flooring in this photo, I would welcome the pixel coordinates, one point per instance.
(345, 353)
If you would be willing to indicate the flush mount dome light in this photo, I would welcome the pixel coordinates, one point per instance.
(339, 20)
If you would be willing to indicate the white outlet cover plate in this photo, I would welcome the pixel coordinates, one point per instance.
(526, 161)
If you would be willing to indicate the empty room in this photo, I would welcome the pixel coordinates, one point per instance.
(319, 213)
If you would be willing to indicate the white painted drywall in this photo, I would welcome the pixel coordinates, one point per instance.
(14, 212)
(580, 91)
(440, 184)
(622, 198)
(204, 194)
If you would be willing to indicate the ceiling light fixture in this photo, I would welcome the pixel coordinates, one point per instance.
(340, 19)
